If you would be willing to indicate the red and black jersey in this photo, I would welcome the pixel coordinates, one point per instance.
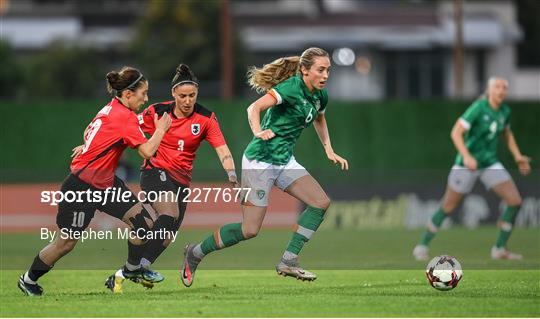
(113, 129)
(178, 148)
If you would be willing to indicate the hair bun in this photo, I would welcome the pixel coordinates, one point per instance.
(183, 69)
(112, 77)
(127, 78)
(184, 73)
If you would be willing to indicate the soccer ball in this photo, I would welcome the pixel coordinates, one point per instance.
(444, 272)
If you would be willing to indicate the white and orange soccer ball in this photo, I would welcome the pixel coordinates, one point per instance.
(444, 272)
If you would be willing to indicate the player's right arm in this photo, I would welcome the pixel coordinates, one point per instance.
(458, 131)
(254, 116)
(462, 125)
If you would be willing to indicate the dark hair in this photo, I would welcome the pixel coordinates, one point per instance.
(127, 78)
(184, 75)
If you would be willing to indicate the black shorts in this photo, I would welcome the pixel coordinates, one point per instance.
(76, 215)
(158, 181)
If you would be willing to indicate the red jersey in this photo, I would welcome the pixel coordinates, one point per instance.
(113, 129)
(178, 148)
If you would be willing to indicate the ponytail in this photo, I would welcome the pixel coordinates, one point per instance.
(265, 78)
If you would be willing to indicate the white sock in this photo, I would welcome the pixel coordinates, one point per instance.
(287, 255)
(197, 251)
(131, 267)
(27, 279)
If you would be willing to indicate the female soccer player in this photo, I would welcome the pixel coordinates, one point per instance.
(295, 98)
(170, 169)
(114, 128)
(475, 136)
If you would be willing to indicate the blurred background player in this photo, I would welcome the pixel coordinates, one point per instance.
(476, 136)
(171, 168)
(295, 98)
(114, 128)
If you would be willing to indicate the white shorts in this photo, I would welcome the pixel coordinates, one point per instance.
(261, 176)
(462, 179)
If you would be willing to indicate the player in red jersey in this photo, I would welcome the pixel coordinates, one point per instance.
(114, 128)
(170, 169)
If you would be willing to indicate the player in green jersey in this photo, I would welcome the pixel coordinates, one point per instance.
(475, 136)
(295, 98)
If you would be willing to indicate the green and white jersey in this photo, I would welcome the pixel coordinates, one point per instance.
(484, 126)
(296, 109)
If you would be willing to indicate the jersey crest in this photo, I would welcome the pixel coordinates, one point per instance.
(195, 129)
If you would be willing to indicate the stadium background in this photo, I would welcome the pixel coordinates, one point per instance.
(392, 106)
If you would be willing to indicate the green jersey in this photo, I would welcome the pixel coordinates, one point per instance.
(296, 108)
(484, 126)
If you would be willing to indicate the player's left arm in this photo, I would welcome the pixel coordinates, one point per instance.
(227, 161)
(215, 138)
(522, 161)
(322, 131)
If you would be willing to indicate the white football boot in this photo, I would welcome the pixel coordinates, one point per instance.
(291, 268)
(421, 252)
(503, 253)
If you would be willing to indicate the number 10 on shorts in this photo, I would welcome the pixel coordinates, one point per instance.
(78, 219)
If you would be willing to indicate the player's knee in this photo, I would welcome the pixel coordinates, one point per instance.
(142, 221)
(322, 202)
(167, 242)
(137, 241)
(448, 208)
(514, 201)
(250, 232)
(325, 203)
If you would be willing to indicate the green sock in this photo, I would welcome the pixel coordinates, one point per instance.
(436, 221)
(308, 222)
(506, 224)
(227, 235)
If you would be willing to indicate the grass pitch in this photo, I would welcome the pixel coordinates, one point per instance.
(361, 273)
(261, 293)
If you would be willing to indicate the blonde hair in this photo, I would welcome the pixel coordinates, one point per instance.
(491, 81)
(265, 78)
